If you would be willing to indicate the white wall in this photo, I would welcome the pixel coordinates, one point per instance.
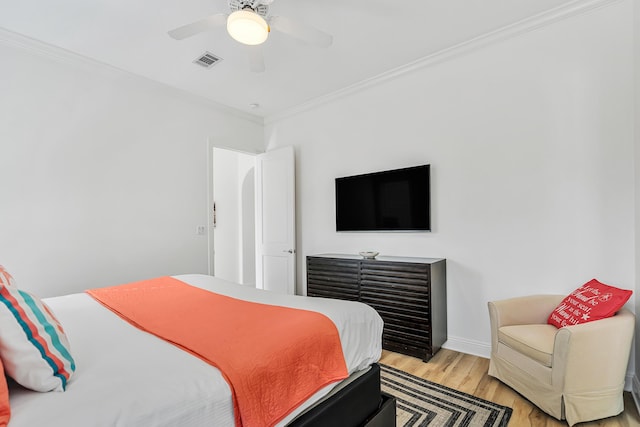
(530, 142)
(103, 177)
(247, 207)
(234, 234)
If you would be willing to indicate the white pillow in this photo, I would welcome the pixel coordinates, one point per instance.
(33, 346)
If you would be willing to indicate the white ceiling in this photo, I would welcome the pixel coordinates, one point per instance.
(370, 37)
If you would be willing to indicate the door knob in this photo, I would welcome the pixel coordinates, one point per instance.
(291, 251)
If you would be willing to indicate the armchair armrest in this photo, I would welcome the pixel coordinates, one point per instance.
(600, 347)
(523, 310)
(590, 363)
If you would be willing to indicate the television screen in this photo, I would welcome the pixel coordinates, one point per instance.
(394, 200)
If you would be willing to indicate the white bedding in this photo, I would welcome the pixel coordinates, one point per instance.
(127, 377)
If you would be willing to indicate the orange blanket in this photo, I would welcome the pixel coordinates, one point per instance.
(274, 358)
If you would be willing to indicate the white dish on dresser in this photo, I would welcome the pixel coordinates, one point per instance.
(368, 254)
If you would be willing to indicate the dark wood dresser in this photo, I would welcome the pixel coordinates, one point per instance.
(410, 294)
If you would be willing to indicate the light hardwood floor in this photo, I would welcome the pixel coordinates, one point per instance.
(468, 373)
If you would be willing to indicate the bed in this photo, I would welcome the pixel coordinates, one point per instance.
(127, 377)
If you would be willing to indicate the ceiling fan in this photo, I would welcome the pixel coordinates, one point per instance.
(249, 23)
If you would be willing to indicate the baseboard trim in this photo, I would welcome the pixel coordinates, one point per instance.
(463, 345)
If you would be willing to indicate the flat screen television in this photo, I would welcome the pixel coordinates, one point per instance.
(392, 200)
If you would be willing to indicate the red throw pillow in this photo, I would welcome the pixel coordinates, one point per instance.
(591, 301)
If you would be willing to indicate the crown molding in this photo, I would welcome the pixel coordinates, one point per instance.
(560, 13)
(60, 55)
(571, 9)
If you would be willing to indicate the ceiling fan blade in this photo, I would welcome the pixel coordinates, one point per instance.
(256, 59)
(302, 32)
(199, 26)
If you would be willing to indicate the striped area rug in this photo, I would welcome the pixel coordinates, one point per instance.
(422, 403)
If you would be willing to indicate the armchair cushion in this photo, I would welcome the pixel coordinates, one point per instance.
(591, 301)
(535, 341)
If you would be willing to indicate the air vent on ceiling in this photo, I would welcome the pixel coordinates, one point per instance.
(207, 60)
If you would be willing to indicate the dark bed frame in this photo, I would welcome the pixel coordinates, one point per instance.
(359, 404)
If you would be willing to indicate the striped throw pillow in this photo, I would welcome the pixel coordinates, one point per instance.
(33, 346)
(5, 277)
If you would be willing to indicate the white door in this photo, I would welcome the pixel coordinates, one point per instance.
(275, 221)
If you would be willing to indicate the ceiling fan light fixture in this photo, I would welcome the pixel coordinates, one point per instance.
(247, 27)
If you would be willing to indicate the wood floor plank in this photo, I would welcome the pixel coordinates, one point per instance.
(460, 372)
(486, 388)
(473, 378)
(469, 374)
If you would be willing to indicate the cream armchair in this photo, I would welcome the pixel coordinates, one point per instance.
(575, 373)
